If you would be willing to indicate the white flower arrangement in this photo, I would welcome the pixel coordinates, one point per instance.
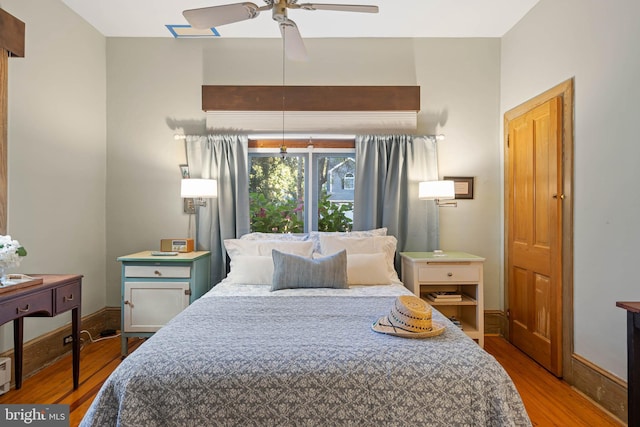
(10, 252)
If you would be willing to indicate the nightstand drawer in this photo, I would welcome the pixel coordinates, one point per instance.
(448, 273)
(67, 297)
(34, 303)
(167, 271)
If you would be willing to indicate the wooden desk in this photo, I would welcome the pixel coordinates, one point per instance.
(633, 360)
(56, 294)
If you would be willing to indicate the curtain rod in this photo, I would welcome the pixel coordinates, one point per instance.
(438, 137)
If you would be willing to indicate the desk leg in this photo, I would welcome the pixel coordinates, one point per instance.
(75, 326)
(18, 328)
(633, 360)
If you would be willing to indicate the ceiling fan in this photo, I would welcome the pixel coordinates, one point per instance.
(214, 16)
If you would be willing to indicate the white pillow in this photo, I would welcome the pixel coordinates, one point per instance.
(367, 269)
(360, 233)
(314, 236)
(358, 245)
(264, 247)
(257, 235)
(363, 245)
(251, 261)
(251, 270)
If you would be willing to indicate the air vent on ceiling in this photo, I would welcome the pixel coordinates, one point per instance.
(186, 31)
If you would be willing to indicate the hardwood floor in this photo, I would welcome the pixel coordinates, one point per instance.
(549, 401)
(54, 383)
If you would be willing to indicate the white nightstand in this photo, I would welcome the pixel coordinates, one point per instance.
(459, 272)
(156, 288)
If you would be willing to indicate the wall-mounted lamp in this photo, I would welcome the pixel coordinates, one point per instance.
(194, 191)
(438, 190)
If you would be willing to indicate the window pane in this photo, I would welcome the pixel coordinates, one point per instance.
(335, 182)
(276, 193)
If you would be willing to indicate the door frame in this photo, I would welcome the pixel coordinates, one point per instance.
(565, 91)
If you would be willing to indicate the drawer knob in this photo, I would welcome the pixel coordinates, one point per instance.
(450, 274)
(24, 310)
(157, 273)
(69, 298)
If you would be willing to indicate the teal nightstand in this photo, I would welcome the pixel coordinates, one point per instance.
(157, 288)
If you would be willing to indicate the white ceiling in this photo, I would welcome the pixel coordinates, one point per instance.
(397, 18)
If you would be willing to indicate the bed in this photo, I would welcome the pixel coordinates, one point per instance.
(247, 355)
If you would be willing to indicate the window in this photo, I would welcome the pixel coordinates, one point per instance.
(320, 176)
(349, 181)
(333, 201)
(276, 193)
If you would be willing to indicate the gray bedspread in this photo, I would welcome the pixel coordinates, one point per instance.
(303, 361)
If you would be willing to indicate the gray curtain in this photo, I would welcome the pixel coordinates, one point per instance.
(224, 158)
(388, 170)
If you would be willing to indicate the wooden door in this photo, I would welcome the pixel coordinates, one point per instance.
(534, 233)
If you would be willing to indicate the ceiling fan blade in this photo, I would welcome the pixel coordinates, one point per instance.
(336, 7)
(293, 44)
(214, 16)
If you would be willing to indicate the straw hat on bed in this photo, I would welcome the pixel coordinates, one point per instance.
(409, 317)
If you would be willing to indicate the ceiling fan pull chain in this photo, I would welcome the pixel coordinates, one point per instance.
(283, 147)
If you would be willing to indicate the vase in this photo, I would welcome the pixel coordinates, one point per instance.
(1, 276)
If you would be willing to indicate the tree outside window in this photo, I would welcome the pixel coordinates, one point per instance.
(276, 193)
(280, 189)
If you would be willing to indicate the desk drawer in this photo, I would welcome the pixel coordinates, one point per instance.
(25, 306)
(157, 271)
(67, 297)
(449, 273)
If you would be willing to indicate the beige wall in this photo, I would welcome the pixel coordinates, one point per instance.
(459, 80)
(154, 90)
(57, 151)
(597, 44)
(152, 84)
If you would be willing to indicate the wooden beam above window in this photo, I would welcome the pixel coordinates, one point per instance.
(302, 143)
(11, 44)
(311, 98)
(11, 34)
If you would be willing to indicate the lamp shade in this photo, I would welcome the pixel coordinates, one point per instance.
(199, 188)
(436, 190)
